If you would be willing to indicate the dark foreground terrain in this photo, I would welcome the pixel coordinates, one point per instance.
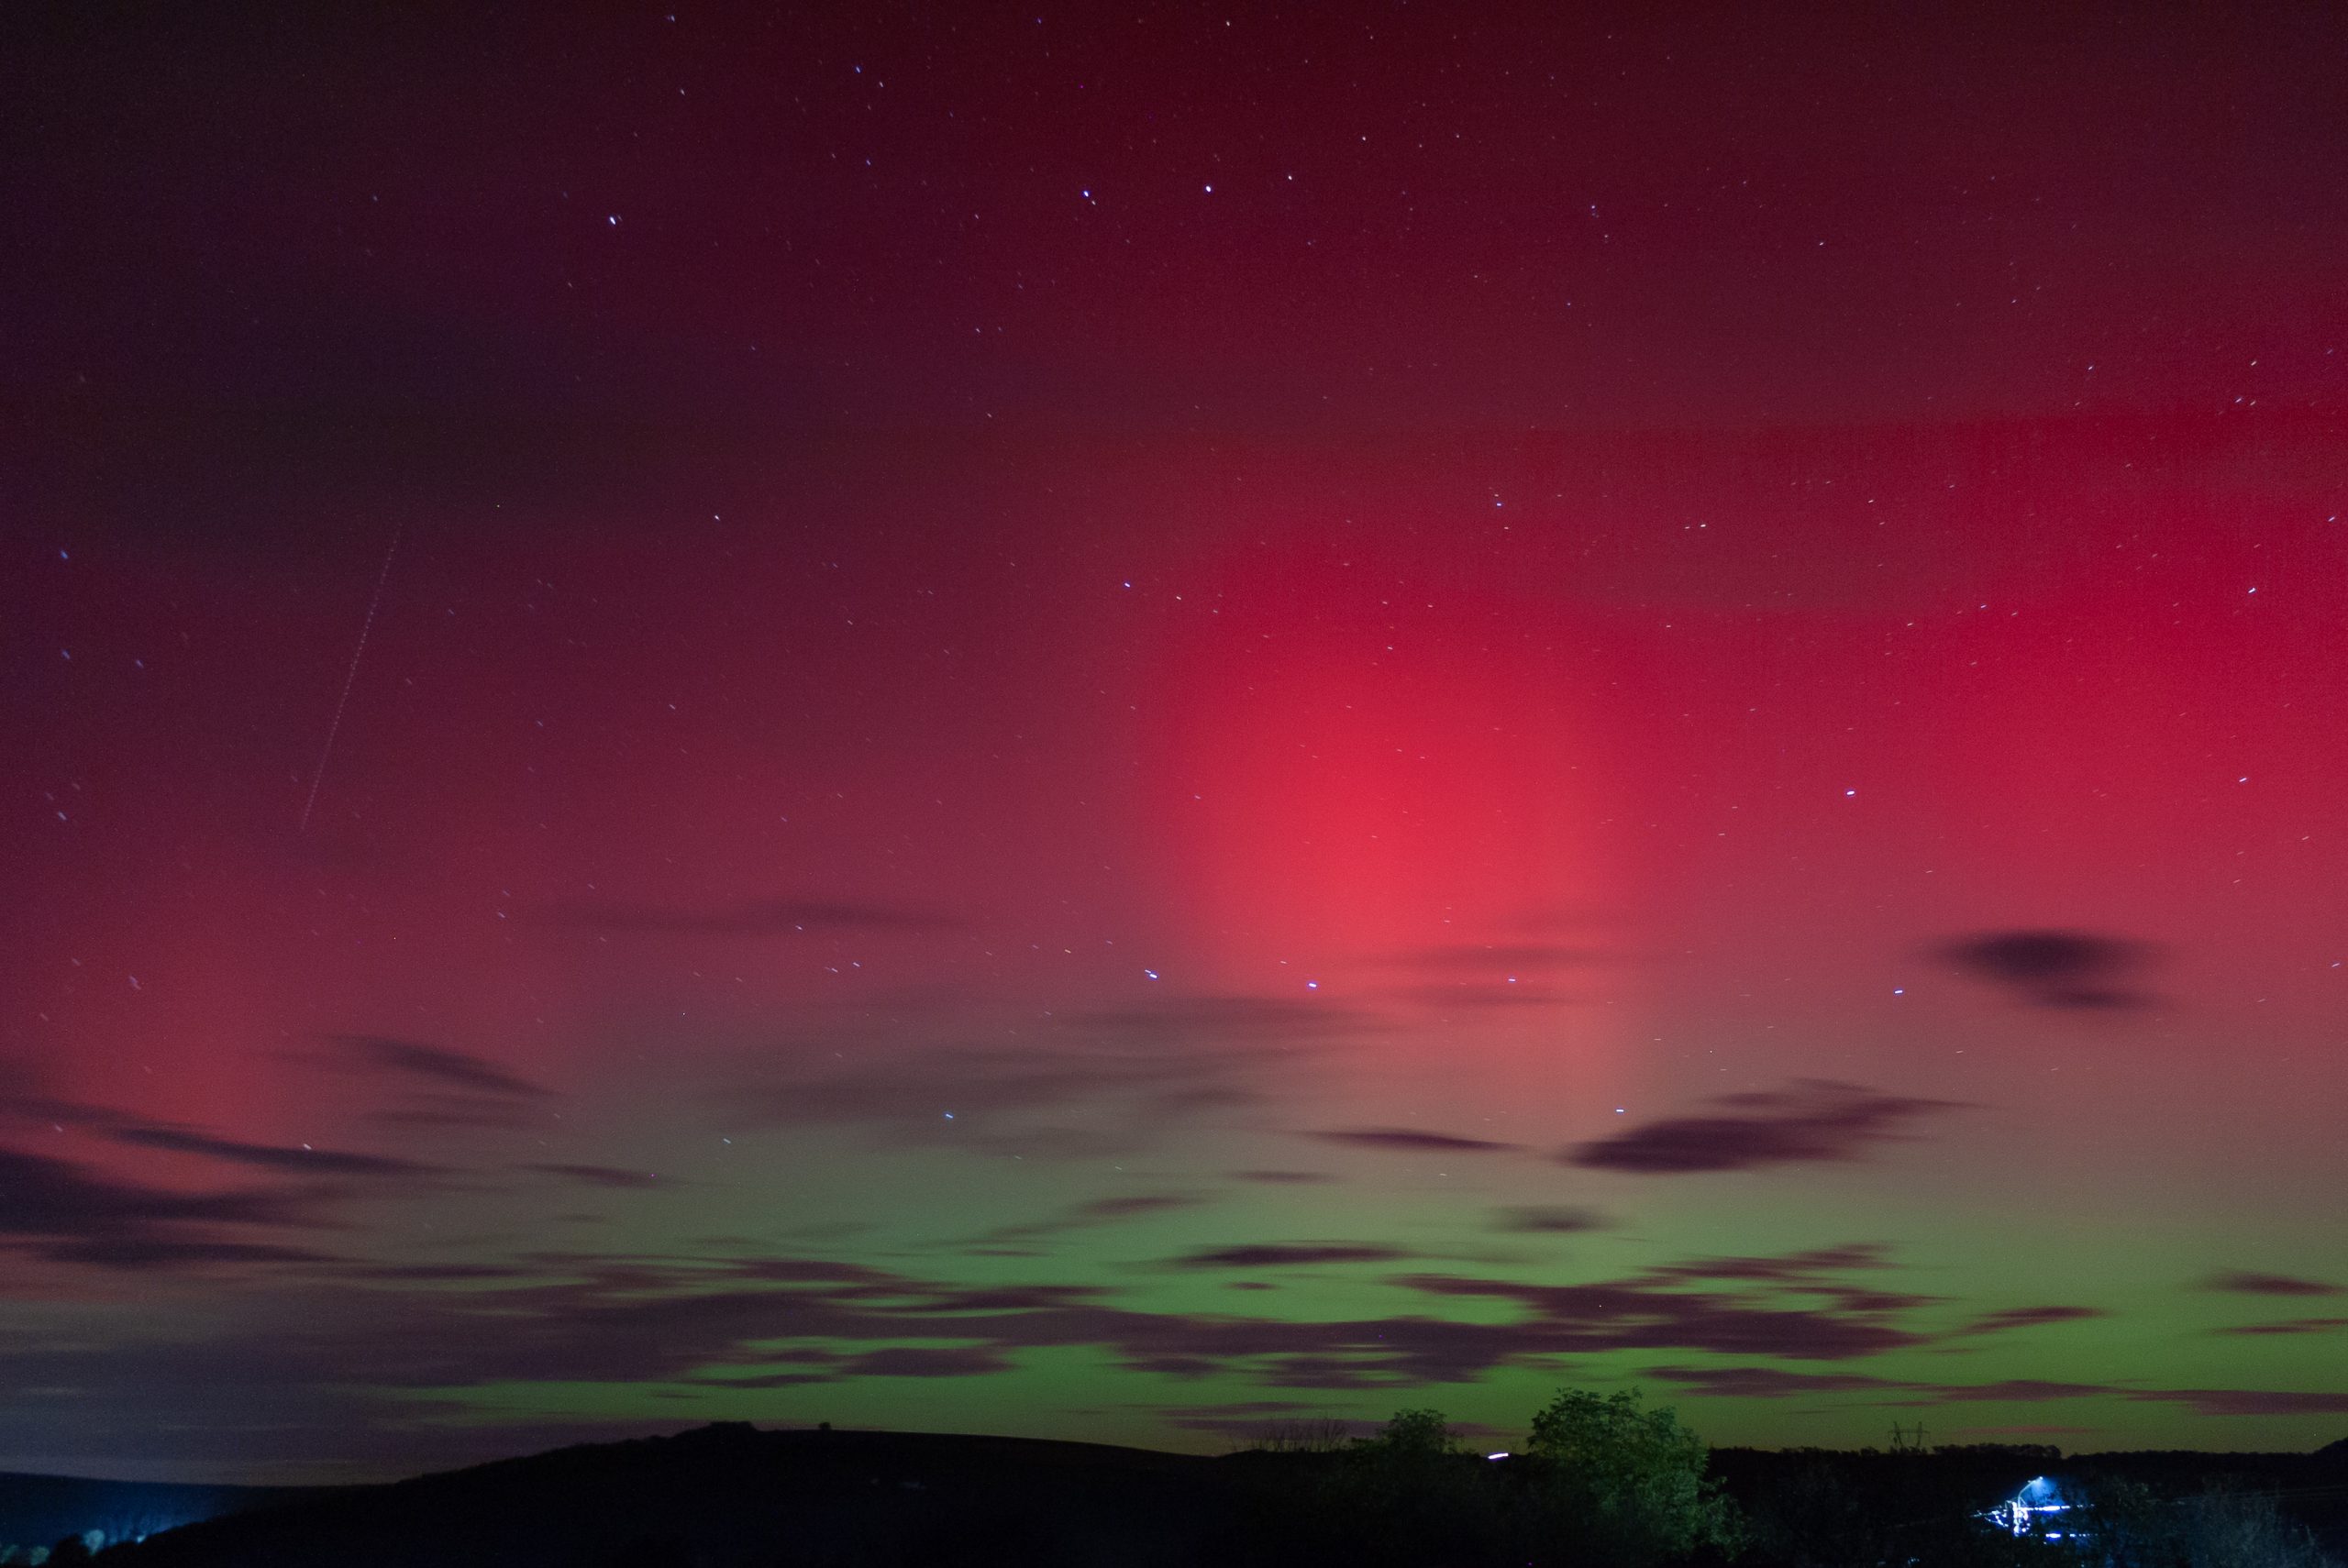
(39, 1510)
(732, 1497)
(728, 1495)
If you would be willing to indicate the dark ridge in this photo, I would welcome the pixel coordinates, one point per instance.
(730, 1495)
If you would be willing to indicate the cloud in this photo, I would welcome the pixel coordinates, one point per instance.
(2247, 1282)
(1281, 1178)
(1096, 1212)
(302, 1159)
(1773, 1383)
(756, 917)
(616, 1177)
(393, 1366)
(322, 1355)
(1079, 1083)
(123, 1127)
(1826, 1320)
(488, 1111)
(2290, 1326)
(434, 1272)
(2013, 1389)
(2027, 1317)
(924, 1361)
(1101, 1211)
(436, 1086)
(2248, 1401)
(1411, 1140)
(56, 1210)
(2053, 969)
(1784, 1268)
(1547, 1220)
(1762, 1382)
(1766, 1382)
(1811, 1122)
(438, 1065)
(160, 1252)
(1287, 1256)
(1816, 1273)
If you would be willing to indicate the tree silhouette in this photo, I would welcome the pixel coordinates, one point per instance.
(1630, 1483)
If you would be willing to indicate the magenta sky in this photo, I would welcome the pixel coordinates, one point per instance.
(1113, 726)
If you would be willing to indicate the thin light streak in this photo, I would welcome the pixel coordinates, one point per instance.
(349, 678)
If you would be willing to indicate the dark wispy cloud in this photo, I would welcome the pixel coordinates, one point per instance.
(2054, 968)
(61, 1211)
(1105, 1210)
(1547, 1220)
(1782, 1268)
(1645, 1315)
(490, 1113)
(924, 1361)
(1096, 1212)
(432, 1087)
(438, 1065)
(2028, 1318)
(1289, 1255)
(434, 1272)
(1766, 1382)
(1811, 1122)
(616, 1322)
(1076, 1084)
(1817, 1273)
(20, 1102)
(756, 917)
(167, 1252)
(300, 1159)
(1411, 1141)
(1770, 1382)
(2290, 1326)
(2246, 1401)
(327, 1354)
(137, 1132)
(622, 1177)
(1280, 1178)
(2249, 1282)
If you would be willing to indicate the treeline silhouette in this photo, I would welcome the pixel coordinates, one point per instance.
(1604, 1484)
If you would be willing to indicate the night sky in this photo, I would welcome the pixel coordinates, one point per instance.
(1123, 721)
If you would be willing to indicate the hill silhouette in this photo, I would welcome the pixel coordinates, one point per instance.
(730, 1494)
